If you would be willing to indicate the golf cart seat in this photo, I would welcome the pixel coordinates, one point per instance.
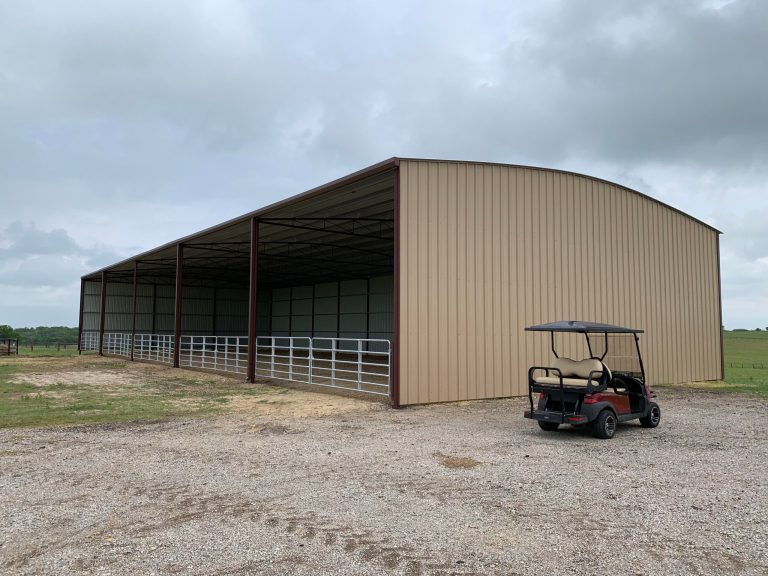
(576, 373)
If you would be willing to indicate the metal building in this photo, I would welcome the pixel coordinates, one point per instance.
(413, 279)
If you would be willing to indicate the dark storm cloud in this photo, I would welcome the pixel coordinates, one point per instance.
(129, 123)
(627, 82)
(664, 81)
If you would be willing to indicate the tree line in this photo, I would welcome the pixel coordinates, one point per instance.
(41, 334)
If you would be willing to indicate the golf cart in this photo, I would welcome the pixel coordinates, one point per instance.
(587, 392)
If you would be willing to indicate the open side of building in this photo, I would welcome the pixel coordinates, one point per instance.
(414, 279)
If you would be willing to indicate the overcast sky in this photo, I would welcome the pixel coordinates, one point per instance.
(126, 124)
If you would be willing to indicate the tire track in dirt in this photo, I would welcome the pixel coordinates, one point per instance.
(301, 524)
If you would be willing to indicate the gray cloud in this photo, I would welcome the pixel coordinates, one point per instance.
(129, 123)
(40, 269)
(26, 240)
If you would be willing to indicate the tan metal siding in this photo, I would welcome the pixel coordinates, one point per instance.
(489, 249)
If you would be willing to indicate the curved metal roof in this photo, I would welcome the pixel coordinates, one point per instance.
(365, 194)
(579, 174)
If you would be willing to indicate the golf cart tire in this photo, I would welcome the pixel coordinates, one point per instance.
(548, 426)
(604, 426)
(653, 418)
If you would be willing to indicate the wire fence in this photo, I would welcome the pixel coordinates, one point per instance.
(755, 365)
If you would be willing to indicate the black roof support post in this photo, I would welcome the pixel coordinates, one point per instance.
(253, 300)
(179, 295)
(102, 310)
(80, 321)
(133, 309)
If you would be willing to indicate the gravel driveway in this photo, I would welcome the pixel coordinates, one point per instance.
(468, 488)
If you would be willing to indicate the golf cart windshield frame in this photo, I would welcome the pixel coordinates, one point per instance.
(587, 328)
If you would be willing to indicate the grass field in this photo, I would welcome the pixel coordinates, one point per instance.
(49, 387)
(39, 391)
(50, 352)
(746, 362)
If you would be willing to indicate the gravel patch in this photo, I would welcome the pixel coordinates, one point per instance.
(468, 488)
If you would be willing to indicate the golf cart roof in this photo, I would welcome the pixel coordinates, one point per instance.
(582, 327)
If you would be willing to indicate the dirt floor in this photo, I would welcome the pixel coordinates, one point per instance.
(318, 484)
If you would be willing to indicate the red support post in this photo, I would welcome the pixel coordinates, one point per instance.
(253, 301)
(102, 312)
(179, 295)
(80, 321)
(394, 377)
(133, 310)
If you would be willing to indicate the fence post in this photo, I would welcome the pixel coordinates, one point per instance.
(359, 364)
(272, 358)
(310, 360)
(290, 359)
(334, 342)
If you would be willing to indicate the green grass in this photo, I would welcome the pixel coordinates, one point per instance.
(27, 405)
(50, 352)
(746, 362)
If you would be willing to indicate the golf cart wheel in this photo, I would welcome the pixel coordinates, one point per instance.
(605, 425)
(548, 426)
(653, 418)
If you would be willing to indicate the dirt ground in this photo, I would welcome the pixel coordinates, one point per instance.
(320, 484)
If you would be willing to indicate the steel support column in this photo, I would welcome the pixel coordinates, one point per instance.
(133, 310)
(395, 357)
(102, 312)
(179, 295)
(80, 321)
(253, 300)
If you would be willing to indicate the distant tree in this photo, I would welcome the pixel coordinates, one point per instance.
(7, 332)
(48, 335)
(758, 330)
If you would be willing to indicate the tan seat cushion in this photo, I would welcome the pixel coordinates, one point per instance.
(554, 380)
(578, 368)
(575, 372)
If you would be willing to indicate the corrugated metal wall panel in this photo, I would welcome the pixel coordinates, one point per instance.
(351, 287)
(205, 310)
(119, 307)
(327, 289)
(281, 308)
(302, 310)
(380, 323)
(326, 305)
(325, 323)
(343, 309)
(91, 305)
(281, 294)
(487, 250)
(197, 310)
(355, 304)
(143, 308)
(165, 298)
(381, 303)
